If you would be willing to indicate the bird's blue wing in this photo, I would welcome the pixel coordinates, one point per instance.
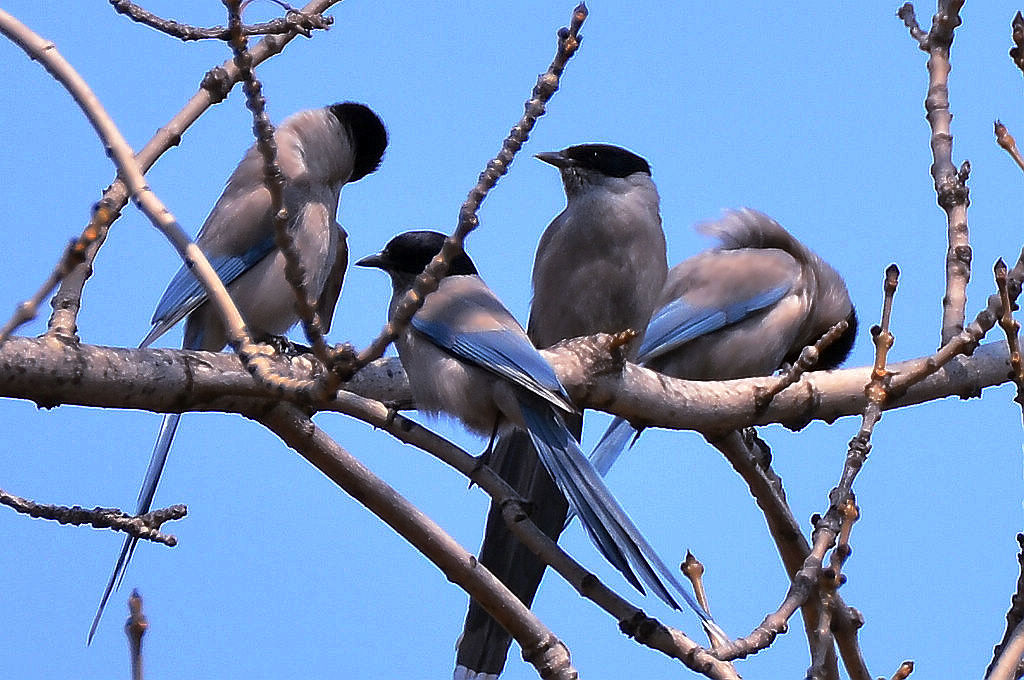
(679, 322)
(505, 352)
(607, 524)
(184, 293)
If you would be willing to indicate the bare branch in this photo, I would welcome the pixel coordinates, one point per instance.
(1014, 616)
(967, 340)
(49, 373)
(540, 646)
(950, 184)
(146, 527)
(135, 627)
(299, 22)
(808, 358)
(427, 282)
(1010, 328)
(1006, 140)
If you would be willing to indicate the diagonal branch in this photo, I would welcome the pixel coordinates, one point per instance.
(427, 282)
(540, 646)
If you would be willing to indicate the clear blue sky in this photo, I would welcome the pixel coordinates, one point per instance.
(810, 112)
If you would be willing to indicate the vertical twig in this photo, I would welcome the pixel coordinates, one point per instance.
(135, 627)
(950, 183)
(1010, 328)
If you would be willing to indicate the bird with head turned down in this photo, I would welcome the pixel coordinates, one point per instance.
(742, 309)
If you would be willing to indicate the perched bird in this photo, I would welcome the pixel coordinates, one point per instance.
(319, 150)
(599, 268)
(466, 356)
(742, 309)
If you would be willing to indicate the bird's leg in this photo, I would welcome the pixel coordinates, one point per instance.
(485, 457)
(286, 347)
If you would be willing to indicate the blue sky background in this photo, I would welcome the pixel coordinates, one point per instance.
(812, 113)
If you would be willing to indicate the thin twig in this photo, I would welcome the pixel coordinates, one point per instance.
(547, 84)
(809, 356)
(1010, 328)
(146, 527)
(831, 580)
(950, 184)
(1015, 614)
(904, 671)
(966, 341)
(135, 627)
(1006, 140)
(297, 21)
(540, 646)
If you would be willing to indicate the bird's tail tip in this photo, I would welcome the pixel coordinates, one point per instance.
(463, 673)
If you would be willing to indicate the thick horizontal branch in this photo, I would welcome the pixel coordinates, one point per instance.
(51, 372)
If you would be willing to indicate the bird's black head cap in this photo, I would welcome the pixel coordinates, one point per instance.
(412, 251)
(613, 161)
(368, 135)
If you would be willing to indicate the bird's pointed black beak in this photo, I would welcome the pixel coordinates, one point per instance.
(555, 158)
(377, 260)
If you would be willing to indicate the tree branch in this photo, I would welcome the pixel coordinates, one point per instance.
(950, 184)
(540, 646)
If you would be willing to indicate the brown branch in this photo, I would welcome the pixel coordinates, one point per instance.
(50, 373)
(1006, 140)
(135, 627)
(1010, 328)
(146, 527)
(633, 621)
(297, 21)
(1015, 614)
(427, 282)
(540, 646)
(965, 342)
(809, 356)
(950, 184)
(214, 89)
